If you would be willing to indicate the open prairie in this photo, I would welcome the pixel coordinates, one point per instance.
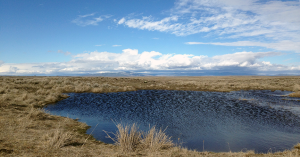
(27, 130)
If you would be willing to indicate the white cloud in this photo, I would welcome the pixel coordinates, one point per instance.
(121, 21)
(243, 18)
(276, 21)
(1, 62)
(89, 19)
(284, 45)
(116, 45)
(13, 69)
(242, 58)
(287, 59)
(65, 53)
(148, 23)
(130, 59)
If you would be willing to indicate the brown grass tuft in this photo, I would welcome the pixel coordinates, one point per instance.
(295, 94)
(129, 139)
(57, 138)
(296, 88)
(155, 140)
(297, 146)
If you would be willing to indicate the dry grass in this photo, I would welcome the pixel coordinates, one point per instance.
(57, 139)
(297, 146)
(129, 139)
(27, 130)
(296, 89)
(156, 140)
(295, 94)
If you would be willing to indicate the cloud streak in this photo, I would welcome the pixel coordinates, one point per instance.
(284, 45)
(148, 23)
(65, 53)
(131, 59)
(89, 19)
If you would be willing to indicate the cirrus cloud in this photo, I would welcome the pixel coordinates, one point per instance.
(65, 53)
(273, 21)
(237, 18)
(284, 45)
(116, 45)
(89, 19)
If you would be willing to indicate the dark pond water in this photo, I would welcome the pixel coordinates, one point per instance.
(242, 120)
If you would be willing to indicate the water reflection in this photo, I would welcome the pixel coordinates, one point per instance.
(238, 120)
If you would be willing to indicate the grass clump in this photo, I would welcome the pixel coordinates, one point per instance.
(129, 139)
(155, 140)
(297, 146)
(57, 139)
(296, 89)
(295, 94)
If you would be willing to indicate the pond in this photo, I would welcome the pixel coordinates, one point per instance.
(234, 121)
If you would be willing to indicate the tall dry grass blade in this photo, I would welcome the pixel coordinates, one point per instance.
(89, 136)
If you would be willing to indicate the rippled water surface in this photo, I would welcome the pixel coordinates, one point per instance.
(242, 120)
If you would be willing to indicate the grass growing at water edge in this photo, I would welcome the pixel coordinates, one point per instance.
(129, 139)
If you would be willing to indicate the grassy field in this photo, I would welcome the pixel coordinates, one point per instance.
(27, 130)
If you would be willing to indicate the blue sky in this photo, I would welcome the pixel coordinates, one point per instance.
(40, 37)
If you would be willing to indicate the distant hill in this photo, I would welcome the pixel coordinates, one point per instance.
(116, 74)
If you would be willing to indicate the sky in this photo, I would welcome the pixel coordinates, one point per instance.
(67, 37)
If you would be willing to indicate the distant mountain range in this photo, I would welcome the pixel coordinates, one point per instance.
(224, 72)
(193, 73)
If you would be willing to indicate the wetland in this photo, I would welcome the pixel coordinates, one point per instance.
(208, 107)
(259, 120)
